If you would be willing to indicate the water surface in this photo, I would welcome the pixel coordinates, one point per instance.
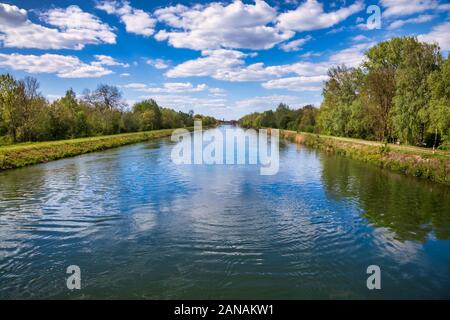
(140, 226)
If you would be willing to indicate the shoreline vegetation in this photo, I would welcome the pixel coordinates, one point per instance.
(392, 110)
(27, 116)
(25, 154)
(409, 160)
(400, 93)
(34, 130)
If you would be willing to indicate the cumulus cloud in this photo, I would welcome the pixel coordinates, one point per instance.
(396, 8)
(169, 87)
(311, 16)
(310, 54)
(295, 45)
(420, 19)
(135, 20)
(351, 56)
(300, 83)
(135, 86)
(217, 90)
(216, 25)
(310, 76)
(71, 28)
(11, 15)
(62, 66)
(158, 63)
(103, 60)
(360, 38)
(229, 65)
(210, 64)
(438, 34)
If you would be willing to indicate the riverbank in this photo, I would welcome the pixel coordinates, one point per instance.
(409, 160)
(24, 154)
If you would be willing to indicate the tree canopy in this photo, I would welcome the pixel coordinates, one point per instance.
(400, 93)
(25, 115)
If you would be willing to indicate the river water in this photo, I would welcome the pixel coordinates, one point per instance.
(140, 226)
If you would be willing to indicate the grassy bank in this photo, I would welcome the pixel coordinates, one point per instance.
(24, 154)
(419, 162)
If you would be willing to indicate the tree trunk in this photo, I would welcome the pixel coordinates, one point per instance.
(435, 140)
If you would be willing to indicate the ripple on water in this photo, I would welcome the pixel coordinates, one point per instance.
(140, 226)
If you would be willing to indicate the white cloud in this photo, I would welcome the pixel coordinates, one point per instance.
(420, 19)
(71, 28)
(311, 16)
(62, 66)
(310, 54)
(125, 74)
(135, 86)
(300, 83)
(169, 87)
(136, 20)
(103, 60)
(158, 63)
(336, 30)
(229, 65)
(216, 90)
(360, 38)
(295, 44)
(439, 34)
(396, 8)
(11, 15)
(312, 75)
(210, 64)
(216, 25)
(351, 56)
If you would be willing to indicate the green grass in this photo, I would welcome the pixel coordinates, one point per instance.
(419, 162)
(24, 154)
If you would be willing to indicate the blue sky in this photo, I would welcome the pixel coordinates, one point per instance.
(224, 59)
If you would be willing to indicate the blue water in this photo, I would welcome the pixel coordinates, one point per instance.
(139, 226)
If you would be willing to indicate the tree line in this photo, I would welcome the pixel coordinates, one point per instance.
(303, 119)
(400, 93)
(25, 115)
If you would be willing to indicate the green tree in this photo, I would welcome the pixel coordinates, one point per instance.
(411, 101)
(63, 122)
(11, 102)
(105, 97)
(439, 110)
(149, 115)
(307, 119)
(339, 92)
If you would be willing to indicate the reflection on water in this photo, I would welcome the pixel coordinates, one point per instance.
(411, 209)
(141, 227)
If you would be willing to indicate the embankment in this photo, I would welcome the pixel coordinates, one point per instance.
(21, 155)
(419, 162)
